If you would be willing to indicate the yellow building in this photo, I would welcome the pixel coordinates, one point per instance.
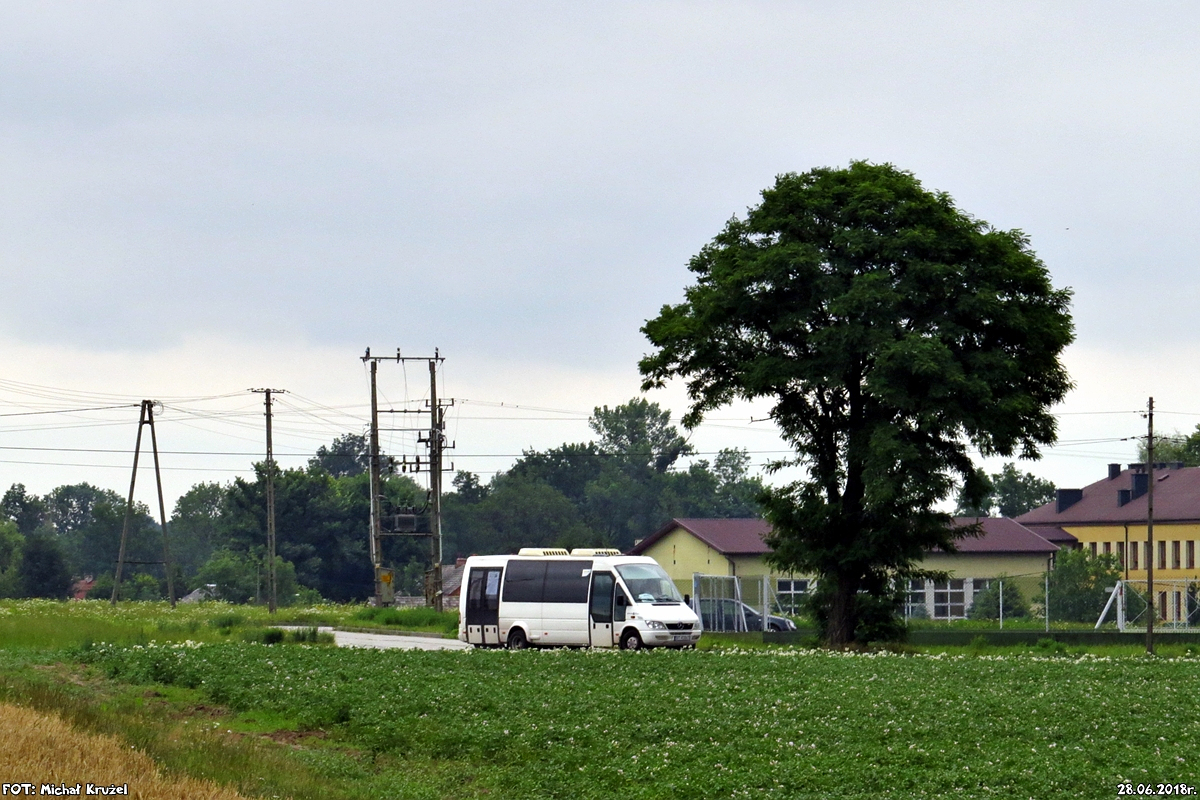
(685, 547)
(1110, 517)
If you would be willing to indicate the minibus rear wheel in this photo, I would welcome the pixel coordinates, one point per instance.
(630, 640)
(517, 640)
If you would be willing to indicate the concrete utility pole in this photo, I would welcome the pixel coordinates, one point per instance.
(271, 585)
(434, 437)
(1150, 611)
(383, 577)
(146, 417)
(437, 418)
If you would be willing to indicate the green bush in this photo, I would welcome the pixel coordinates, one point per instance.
(229, 620)
(987, 602)
(413, 619)
(1077, 585)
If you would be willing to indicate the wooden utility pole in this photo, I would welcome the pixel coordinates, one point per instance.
(1151, 610)
(146, 417)
(272, 600)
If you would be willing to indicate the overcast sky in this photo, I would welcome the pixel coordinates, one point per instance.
(196, 199)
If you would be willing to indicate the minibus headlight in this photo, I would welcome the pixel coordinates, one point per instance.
(655, 625)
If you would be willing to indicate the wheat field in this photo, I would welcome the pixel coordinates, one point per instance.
(41, 749)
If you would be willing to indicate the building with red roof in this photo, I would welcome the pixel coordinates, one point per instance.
(1109, 517)
(736, 547)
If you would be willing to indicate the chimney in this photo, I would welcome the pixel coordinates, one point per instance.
(1065, 498)
(1140, 467)
(1139, 485)
(1123, 496)
(1114, 471)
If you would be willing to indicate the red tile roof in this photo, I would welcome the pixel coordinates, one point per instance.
(1002, 535)
(1054, 534)
(733, 537)
(1176, 499)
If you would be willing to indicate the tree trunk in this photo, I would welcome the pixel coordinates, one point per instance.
(842, 617)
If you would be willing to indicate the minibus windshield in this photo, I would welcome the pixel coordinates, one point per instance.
(649, 583)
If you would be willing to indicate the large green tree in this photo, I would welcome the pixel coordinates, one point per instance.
(1010, 493)
(12, 545)
(23, 508)
(43, 567)
(891, 331)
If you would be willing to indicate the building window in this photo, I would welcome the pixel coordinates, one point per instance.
(949, 599)
(790, 595)
(1092, 547)
(1177, 598)
(914, 600)
(1162, 555)
(1121, 554)
(1133, 555)
(1108, 548)
(1175, 560)
(1149, 555)
(1162, 605)
(1191, 554)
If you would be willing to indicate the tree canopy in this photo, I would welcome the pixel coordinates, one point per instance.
(609, 492)
(1008, 493)
(891, 331)
(1177, 447)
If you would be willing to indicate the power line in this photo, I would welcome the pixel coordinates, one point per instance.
(66, 410)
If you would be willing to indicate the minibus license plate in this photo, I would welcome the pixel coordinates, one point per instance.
(681, 637)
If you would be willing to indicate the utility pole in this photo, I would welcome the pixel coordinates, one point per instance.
(146, 417)
(434, 437)
(437, 418)
(1150, 611)
(271, 586)
(383, 578)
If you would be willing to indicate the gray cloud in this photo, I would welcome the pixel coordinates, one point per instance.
(528, 181)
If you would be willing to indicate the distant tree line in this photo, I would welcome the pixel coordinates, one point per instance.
(608, 492)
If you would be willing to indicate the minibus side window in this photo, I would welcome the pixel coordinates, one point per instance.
(524, 581)
(602, 597)
(491, 592)
(567, 581)
(475, 589)
(621, 604)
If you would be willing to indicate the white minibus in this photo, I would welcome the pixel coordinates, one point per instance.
(552, 598)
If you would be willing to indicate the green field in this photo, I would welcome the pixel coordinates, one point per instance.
(662, 724)
(682, 724)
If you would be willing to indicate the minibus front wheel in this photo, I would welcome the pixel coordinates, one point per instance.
(630, 640)
(517, 640)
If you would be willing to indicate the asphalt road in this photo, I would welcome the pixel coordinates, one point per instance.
(387, 641)
(390, 641)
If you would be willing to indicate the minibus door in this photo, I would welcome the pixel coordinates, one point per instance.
(600, 610)
(483, 605)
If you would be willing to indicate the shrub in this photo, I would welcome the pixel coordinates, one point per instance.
(987, 602)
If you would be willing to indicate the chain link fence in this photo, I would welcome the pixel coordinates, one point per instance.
(726, 603)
